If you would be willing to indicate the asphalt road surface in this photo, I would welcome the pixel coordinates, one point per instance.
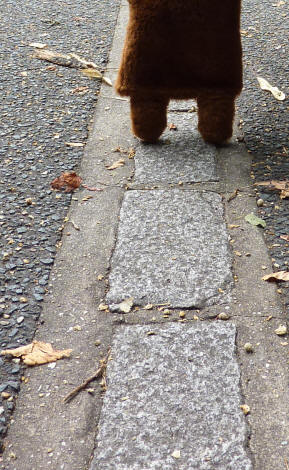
(43, 106)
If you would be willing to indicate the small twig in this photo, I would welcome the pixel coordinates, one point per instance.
(90, 188)
(286, 463)
(74, 225)
(99, 373)
(233, 195)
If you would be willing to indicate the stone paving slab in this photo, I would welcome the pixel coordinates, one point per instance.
(172, 246)
(180, 155)
(174, 391)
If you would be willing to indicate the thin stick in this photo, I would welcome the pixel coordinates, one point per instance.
(286, 463)
(99, 373)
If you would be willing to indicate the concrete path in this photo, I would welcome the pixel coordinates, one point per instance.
(167, 236)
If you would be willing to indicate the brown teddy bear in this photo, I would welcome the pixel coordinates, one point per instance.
(182, 49)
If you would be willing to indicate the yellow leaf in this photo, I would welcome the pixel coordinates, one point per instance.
(92, 73)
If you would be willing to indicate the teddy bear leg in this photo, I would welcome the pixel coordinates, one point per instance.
(148, 116)
(216, 114)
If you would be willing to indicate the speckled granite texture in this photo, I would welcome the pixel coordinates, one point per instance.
(174, 391)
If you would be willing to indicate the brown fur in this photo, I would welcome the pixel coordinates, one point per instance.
(182, 49)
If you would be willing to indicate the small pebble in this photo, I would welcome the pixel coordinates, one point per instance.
(260, 202)
(281, 330)
(223, 316)
(245, 409)
(248, 347)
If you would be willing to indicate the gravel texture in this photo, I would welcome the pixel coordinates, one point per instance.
(265, 120)
(42, 108)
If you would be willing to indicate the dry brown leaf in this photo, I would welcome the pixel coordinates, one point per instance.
(37, 353)
(80, 89)
(131, 153)
(285, 237)
(278, 276)
(68, 181)
(173, 127)
(116, 164)
(282, 186)
(54, 57)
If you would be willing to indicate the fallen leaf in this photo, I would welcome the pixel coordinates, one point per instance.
(80, 89)
(233, 226)
(285, 237)
(107, 81)
(74, 144)
(68, 181)
(38, 45)
(126, 305)
(54, 57)
(283, 186)
(264, 85)
(131, 153)
(233, 195)
(92, 73)
(173, 127)
(86, 198)
(37, 353)
(254, 220)
(82, 61)
(278, 276)
(281, 330)
(116, 164)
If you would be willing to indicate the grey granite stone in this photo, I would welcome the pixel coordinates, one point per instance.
(180, 155)
(174, 391)
(172, 246)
